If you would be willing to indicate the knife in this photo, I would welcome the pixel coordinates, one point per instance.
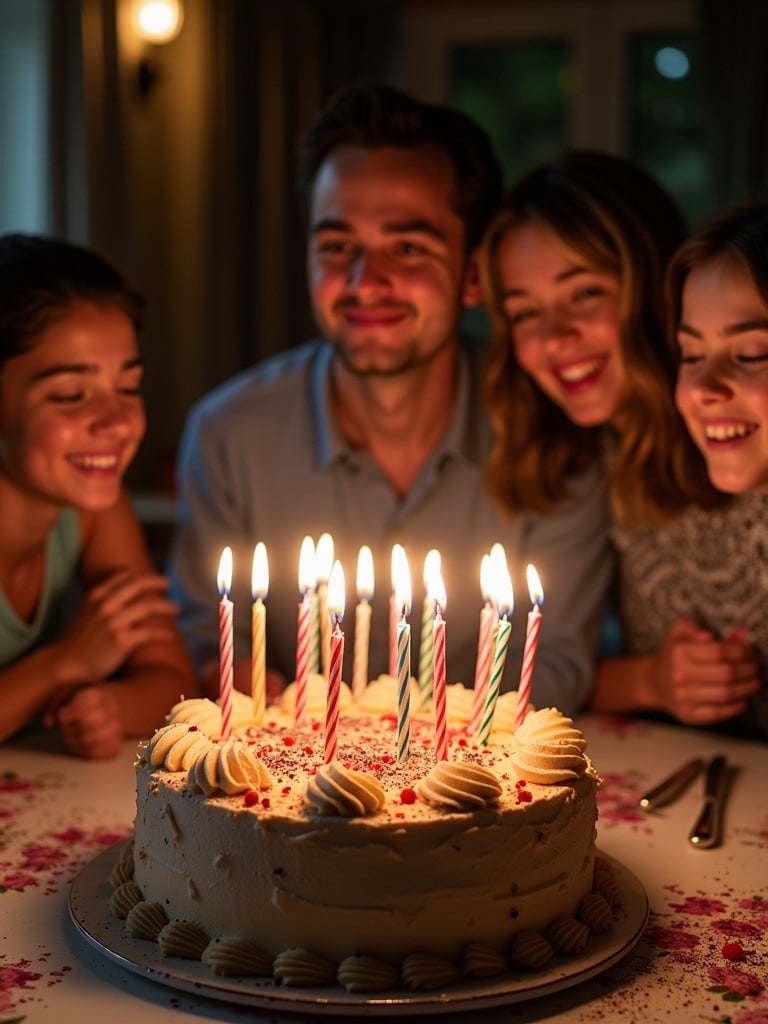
(671, 786)
(706, 832)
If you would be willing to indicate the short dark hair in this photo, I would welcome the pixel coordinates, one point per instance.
(41, 278)
(379, 115)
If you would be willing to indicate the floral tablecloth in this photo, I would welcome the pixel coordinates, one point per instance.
(703, 956)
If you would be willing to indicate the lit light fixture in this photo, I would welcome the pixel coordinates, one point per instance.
(158, 21)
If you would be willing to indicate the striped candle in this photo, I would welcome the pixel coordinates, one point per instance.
(506, 602)
(485, 641)
(426, 655)
(226, 646)
(259, 589)
(531, 643)
(335, 660)
(402, 577)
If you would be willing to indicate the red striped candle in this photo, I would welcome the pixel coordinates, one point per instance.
(226, 646)
(335, 660)
(304, 631)
(531, 643)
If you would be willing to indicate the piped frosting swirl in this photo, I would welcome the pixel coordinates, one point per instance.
(334, 789)
(460, 785)
(227, 768)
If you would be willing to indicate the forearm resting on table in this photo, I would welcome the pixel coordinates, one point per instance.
(147, 693)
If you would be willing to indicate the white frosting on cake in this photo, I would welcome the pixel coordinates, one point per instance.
(258, 842)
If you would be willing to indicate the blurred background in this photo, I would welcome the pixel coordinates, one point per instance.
(176, 159)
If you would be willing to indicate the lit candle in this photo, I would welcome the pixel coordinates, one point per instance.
(226, 657)
(437, 595)
(506, 602)
(335, 661)
(394, 612)
(432, 565)
(259, 589)
(303, 639)
(531, 643)
(323, 563)
(362, 620)
(403, 598)
(488, 616)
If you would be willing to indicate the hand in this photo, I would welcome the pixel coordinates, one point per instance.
(89, 720)
(117, 616)
(701, 679)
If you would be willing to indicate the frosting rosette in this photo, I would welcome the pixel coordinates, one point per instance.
(459, 785)
(549, 762)
(548, 726)
(336, 790)
(206, 715)
(176, 746)
(227, 768)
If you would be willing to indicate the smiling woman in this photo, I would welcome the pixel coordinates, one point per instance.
(71, 419)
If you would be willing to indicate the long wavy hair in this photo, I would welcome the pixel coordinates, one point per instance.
(615, 217)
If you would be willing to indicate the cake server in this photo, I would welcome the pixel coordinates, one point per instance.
(672, 786)
(706, 832)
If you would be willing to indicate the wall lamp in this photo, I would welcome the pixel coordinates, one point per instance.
(155, 22)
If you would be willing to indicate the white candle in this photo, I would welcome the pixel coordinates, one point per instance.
(303, 638)
(226, 647)
(362, 620)
(531, 643)
(394, 611)
(437, 594)
(259, 590)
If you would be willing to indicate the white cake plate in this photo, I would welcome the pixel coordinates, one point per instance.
(89, 907)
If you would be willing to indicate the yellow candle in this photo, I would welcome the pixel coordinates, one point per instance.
(259, 589)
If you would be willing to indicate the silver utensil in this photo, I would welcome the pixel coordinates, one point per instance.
(706, 832)
(672, 786)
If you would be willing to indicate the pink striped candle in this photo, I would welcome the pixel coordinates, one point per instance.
(488, 616)
(531, 643)
(335, 660)
(304, 630)
(226, 646)
(438, 687)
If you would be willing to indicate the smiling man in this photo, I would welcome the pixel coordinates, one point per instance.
(375, 432)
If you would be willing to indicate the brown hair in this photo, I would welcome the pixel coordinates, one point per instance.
(617, 218)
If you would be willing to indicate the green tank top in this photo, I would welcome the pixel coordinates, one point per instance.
(58, 596)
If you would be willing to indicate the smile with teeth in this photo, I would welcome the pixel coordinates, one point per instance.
(727, 431)
(575, 373)
(94, 461)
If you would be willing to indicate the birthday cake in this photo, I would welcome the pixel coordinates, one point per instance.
(257, 857)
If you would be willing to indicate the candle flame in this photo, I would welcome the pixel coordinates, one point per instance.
(401, 576)
(500, 585)
(365, 573)
(336, 596)
(432, 564)
(486, 577)
(436, 589)
(224, 577)
(260, 572)
(307, 570)
(324, 557)
(534, 585)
